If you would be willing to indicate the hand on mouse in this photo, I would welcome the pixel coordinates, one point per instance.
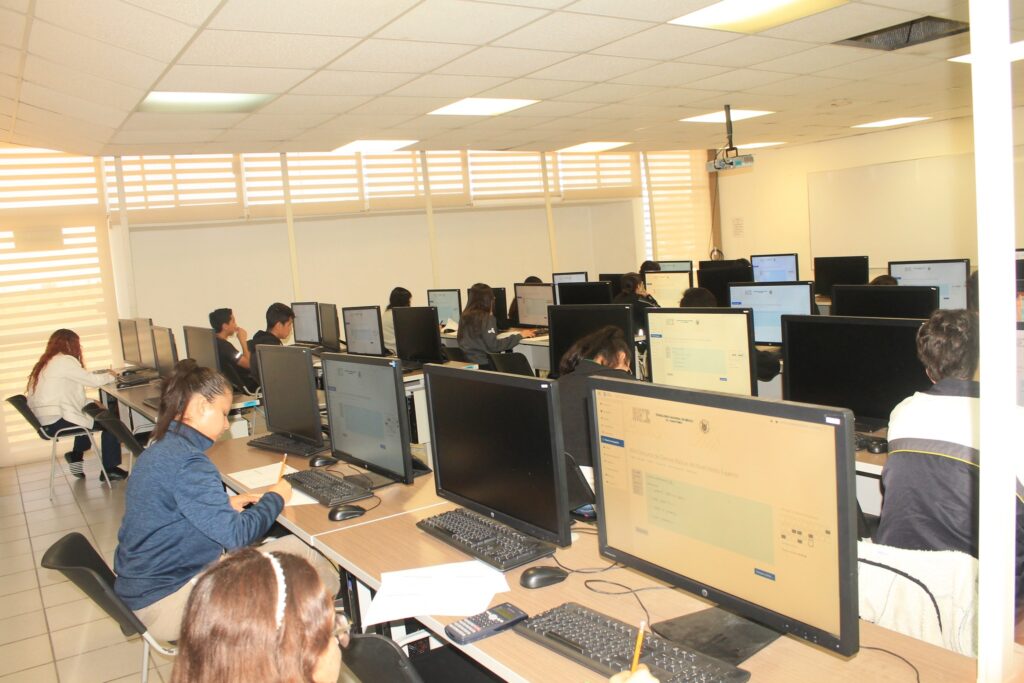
(283, 489)
(526, 334)
(642, 675)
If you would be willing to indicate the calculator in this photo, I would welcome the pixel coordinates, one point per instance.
(477, 627)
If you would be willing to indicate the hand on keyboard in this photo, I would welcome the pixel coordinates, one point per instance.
(642, 675)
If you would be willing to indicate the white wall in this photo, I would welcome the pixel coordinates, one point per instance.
(183, 272)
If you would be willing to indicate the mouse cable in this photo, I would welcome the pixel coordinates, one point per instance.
(587, 570)
(360, 475)
(626, 590)
(917, 674)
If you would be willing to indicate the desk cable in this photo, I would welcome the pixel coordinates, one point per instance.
(357, 474)
(626, 590)
(587, 570)
(917, 674)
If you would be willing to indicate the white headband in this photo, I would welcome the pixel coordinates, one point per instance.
(282, 590)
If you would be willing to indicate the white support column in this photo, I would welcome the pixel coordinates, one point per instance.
(121, 251)
(435, 267)
(552, 237)
(650, 206)
(289, 220)
(1000, 439)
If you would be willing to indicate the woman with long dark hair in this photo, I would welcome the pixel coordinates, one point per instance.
(478, 334)
(56, 394)
(634, 292)
(400, 298)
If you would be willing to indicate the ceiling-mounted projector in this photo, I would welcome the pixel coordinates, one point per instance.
(729, 157)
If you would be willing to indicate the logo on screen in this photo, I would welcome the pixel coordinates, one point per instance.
(705, 427)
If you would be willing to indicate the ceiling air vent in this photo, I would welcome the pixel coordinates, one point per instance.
(910, 33)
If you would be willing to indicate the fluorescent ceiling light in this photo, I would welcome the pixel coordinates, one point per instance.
(593, 147)
(892, 122)
(1016, 54)
(374, 146)
(719, 116)
(482, 106)
(203, 102)
(759, 145)
(753, 16)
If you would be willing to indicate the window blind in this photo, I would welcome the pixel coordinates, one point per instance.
(597, 176)
(679, 203)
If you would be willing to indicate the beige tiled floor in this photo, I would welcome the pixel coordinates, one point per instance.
(49, 629)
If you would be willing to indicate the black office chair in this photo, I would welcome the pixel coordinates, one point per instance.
(74, 557)
(110, 423)
(511, 363)
(373, 657)
(20, 403)
(455, 353)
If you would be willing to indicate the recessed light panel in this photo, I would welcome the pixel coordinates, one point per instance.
(168, 102)
(753, 16)
(482, 106)
(892, 122)
(592, 147)
(719, 116)
(1016, 54)
(374, 146)
(759, 145)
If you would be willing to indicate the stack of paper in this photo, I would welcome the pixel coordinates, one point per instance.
(258, 477)
(459, 589)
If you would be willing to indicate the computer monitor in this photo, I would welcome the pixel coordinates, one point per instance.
(568, 324)
(884, 301)
(575, 276)
(866, 365)
(615, 279)
(1020, 264)
(368, 415)
(306, 328)
(504, 463)
(745, 502)
(166, 351)
(839, 270)
(417, 336)
(500, 308)
(448, 303)
(775, 267)
(711, 349)
(147, 349)
(717, 279)
(289, 392)
(721, 263)
(201, 346)
(573, 293)
(364, 333)
(949, 275)
(667, 286)
(770, 301)
(675, 266)
(130, 350)
(330, 334)
(533, 301)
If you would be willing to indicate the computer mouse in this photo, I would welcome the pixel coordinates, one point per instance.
(878, 446)
(339, 513)
(539, 577)
(321, 460)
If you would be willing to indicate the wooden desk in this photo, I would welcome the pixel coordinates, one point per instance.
(140, 417)
(395, 543)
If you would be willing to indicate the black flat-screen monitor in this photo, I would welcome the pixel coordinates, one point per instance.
(723, 263)
(417, 336)
(532, 301)
(130, 350)
(568, 324)
(147, 346)
(745, 502)
(448, 303)
(573, 293)
(775, 267)
(289, 392)
(717, 278)
(504, 463)
(675, 266)
(884, 301)
(1020, 264)
(330, 334)
(306, 328)
(368, 415)
(949, 275)
(770, 301)
(667, 286)
(866, 365)
(364, 333)
(201, 346)
(166, 351)
(501, 308)
(711, 349)
(839, 270)
(574, 276)
(615, 279)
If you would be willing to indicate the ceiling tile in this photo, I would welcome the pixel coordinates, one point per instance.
(259, 135)
(55, 136)
(798, 85)
(265, 122)
(6, 106)
(648, 10)
(151, 34)
(191, 12)
(459, 21)
(129, 137)
(426, 125)
(352, 83)
(839, 23)
(575, 32)
(10, 60)
(673, 97)
(326, 104)
(93, 56)
(543, 4)
(940, 75)
(550, 109)
(8, 85)
(73, 82)
(403, 105)
(943, 48)
(534, 89)
(593, 67)
(17, 5)
(817, 59)
(12, 28)
(747, 51)
(635, 114)
(605, 93)
(140, 121)
(879, 65)
(398, 56)
(313, 17)
(243, 79)
(666, 42)
(362, 122)
(503, 61)
(65, 124)
(440, 85)
(671, 73)
(249, 48)
(62, 103)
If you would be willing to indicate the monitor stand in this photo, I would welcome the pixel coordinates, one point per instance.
(717, 633)
(370, 480)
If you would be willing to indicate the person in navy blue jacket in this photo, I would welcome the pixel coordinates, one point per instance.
(178, 517)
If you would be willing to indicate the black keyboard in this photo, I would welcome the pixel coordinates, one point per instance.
(283, 444)
(327, 488)
(135, 379)
(492, 542)
(410, 365)
(605, 645)
(863, 442)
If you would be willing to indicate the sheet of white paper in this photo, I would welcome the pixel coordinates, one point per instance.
(457, 589)
(258, 477)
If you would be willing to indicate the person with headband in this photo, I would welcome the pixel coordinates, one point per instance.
(178, 518)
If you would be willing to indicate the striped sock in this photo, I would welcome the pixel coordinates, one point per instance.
(74, 464)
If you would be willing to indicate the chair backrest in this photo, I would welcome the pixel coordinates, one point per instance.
(455, 353)
(20, 403)
(373, 657)
(511, 363)
(74, 557)
(110, 423)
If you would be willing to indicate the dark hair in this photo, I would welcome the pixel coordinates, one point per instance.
(532, 280)
(604, 344)
(219, 318)
(947, 344)
(229, 630)
(631, 282)
(61, 341)
(972, 292)
(400, 298)
(648, 266)
(884, 280)
(479, 307)
(278, 313)
(698, 297)
(187, 380)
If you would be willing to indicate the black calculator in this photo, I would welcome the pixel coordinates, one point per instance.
(479, 626)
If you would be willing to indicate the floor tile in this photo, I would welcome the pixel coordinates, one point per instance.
(87, 637)
(46, 673)
(60, 490)
(36, 484)
(100, 666)
(16, 563)
(21, 581)
(10, 505)
(13, 548)
(60, 593)
(25, 654)
(20, 603)
(13, 533)
(42, 542)
(55, 512)
(22, 626)
(8, 521)
(38, 527)
(43, 502)
(73, 613)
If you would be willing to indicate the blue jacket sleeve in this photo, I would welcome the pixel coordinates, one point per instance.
(202, 500)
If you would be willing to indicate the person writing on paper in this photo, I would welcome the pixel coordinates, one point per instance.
(478, 329)
(178, 518)
(400, 298)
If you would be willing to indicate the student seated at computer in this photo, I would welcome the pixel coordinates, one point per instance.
(280, 319)
(56, 395)
(884, 280)
(400, 298)
(234, 363)
(930, 480)
(178, 518)
(650, 267)
(633, 292)
(513, 308)
(478, 333)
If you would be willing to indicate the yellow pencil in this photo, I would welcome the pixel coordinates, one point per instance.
(639, 645)
(284, 462)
